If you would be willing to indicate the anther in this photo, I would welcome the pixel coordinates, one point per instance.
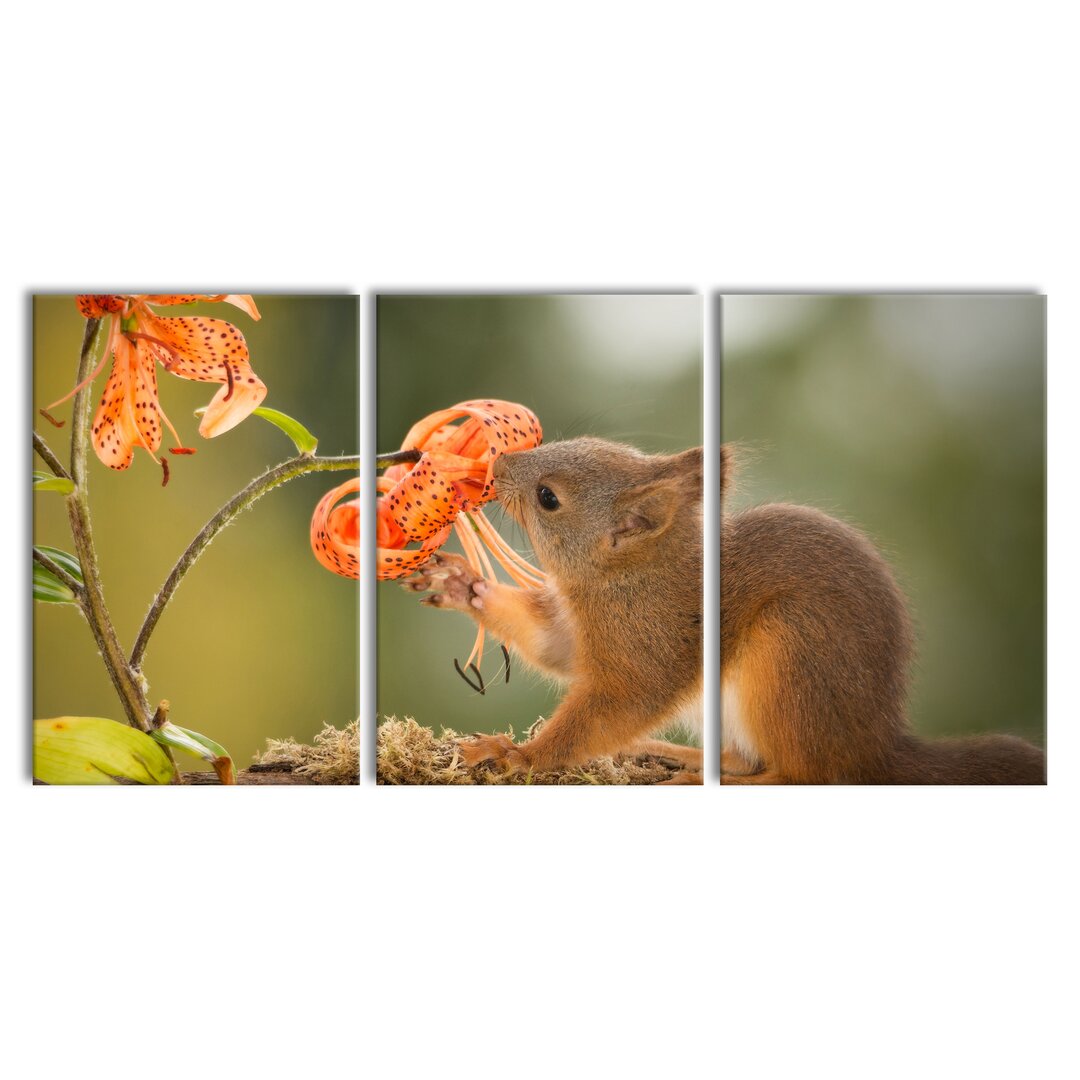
(52, 419)
(473, 686)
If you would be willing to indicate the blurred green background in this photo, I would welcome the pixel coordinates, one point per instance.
(621, 367)
(259, 641)
(920, 419)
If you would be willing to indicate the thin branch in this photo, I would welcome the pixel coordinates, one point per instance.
(240, 502)
(50, 459)
(59, 572)
(398, 457)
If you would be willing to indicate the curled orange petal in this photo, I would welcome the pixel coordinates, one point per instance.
(335, 530)
(243, 301)
(422, 502)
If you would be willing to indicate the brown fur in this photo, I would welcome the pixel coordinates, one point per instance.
(816, 646)
(620, 618)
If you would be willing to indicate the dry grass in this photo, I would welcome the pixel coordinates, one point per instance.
(334, 758)
(409, 753)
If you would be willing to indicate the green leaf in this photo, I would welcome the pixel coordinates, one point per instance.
(48, 589)
(93, 750)
(48, 482)
(172, 735)
(63, 559)
(304, 440)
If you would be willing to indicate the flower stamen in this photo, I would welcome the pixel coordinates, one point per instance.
(180, 448)
(89, 378)
(174, 356)
(480, 689)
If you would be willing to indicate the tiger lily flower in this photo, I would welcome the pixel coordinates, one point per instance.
(129, 414)
(446, 489)
(421, 503)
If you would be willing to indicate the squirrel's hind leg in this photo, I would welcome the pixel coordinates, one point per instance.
(690, 757)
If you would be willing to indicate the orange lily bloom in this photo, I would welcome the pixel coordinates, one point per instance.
(423, 502)
(446, 489)
(420, 501)
(206, 350)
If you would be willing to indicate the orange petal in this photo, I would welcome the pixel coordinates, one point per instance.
(231, 405)
(169, 299)
(243, 301)
(335, 530)
(127, 414)
(392, 563)
(422, 502)
(97, 307)
(194, 347)
(207, 350)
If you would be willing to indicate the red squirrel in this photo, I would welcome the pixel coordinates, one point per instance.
(816, 645)
(619, 534)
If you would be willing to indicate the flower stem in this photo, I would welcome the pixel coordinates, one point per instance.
(398, 457)
(128, 684)
(280, 474)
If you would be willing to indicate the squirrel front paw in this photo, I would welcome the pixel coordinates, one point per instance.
(450, 579)
(501, 750)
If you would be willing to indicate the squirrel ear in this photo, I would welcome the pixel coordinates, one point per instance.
(646, 511)
(689, 467)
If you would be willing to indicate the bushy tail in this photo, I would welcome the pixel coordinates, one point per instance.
(982, 759)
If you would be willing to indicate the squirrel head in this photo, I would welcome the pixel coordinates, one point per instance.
(590, 505)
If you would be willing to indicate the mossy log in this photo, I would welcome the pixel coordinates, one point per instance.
(334, 758)
(410, 753)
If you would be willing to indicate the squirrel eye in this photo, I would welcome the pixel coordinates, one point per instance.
(547, 498)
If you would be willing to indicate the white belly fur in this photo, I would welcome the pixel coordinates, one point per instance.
(734, 736)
